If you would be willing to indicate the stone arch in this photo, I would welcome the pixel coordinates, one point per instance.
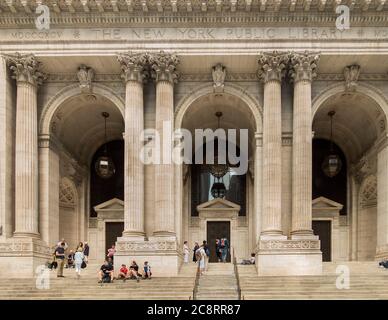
(70, 91)
(232, 89)
(363, 88)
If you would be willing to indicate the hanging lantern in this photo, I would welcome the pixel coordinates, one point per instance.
(332, 163)
(104, 165)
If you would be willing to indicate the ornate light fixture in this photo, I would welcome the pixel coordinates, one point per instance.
(332, 164)
(218, 170)
(104, 165)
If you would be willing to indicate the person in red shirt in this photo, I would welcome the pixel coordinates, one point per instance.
(123, 272)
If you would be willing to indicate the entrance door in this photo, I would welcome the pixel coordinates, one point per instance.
(217, 230)
(323, 230)
(113, 230)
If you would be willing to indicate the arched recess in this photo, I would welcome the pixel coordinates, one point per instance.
(69, 220)
(248, 104)
(359, 128)
(71, 91)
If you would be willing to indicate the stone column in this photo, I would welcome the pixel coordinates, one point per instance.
(258, 187)
(164, 72)
(6, 146)
(133, 73)
(25, 70)
(271, 72)
(302, 72)
(382, 202)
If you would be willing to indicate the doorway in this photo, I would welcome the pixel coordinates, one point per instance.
(217, 230)
(323, 230)
(113, 230)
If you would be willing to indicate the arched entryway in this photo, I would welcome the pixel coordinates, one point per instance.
(239, 111)
(358, 131)
(72, 131)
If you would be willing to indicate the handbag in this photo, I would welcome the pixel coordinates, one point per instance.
(83, 265)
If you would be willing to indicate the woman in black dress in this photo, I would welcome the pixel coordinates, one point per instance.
(196, 247)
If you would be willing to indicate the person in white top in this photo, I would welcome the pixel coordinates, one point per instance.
(201, 254)
(78, 259)
(186, 252)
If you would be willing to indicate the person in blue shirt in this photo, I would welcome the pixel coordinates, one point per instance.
(147, 271)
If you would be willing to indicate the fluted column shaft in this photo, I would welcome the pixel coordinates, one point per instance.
(163, 66)
(133, 74)
(302, 72)
(25, 71)
(271, 72)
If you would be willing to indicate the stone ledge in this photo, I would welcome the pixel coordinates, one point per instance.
(24, 248)
(272, 245)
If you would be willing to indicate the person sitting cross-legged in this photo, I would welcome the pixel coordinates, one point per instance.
(134, 271)
(123, 273)
(105, 273)
(147, 271)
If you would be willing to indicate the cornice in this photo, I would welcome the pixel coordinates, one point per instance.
(207, 77)
(313, 17)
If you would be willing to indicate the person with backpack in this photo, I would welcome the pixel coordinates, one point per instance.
(224, 246)
(86, 252)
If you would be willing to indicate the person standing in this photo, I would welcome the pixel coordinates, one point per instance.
(86, 252)
(196, 247)
(200, 255)
(78, 259)
(60, 256)
(186, 252)
(207, 254)
(224, 246)
(111, 252)
(218, 250)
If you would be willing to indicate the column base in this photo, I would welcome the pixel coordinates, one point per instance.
(381, 253)
(21, 256)
(162, 254)
(289, 257)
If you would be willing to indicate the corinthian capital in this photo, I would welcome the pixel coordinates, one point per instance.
(163, 66)
(303, 66)
(25, 68)
(133, 66)
(272, 66)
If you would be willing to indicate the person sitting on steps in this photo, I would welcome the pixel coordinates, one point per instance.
(123, 273)
(147, 271)
(106, 273)
(134, 271)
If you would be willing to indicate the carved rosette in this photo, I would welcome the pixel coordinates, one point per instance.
(272, 66)
(163, 66)
(303, 66)
(25, 68)
(133, 66)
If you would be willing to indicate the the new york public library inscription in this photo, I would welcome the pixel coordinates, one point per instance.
(196, 34)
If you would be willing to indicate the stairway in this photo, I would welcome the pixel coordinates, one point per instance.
(70, 288)
(367, 281)
(219, 282)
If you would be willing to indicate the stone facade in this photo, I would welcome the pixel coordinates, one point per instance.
(275, 69)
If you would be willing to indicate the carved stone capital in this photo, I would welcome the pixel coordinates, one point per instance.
(272, 66)
(25, 68)
(85, 77)
(133, 66)
(351, 74)
(163, 66)
(303, 66)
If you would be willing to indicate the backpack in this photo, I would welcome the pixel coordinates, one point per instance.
(222, 243)
(207, 252)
